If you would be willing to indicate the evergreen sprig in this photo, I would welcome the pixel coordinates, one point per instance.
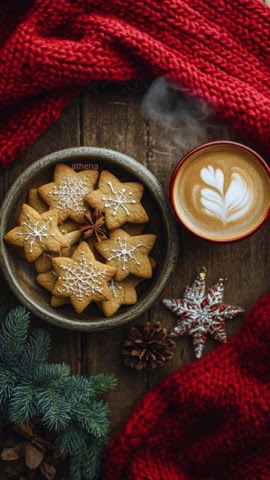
(31, 387)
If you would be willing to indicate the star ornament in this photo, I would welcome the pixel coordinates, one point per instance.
(201, 314)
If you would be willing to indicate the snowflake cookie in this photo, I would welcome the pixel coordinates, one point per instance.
(37, 233)
(128, 254)
(82, 278)
(119, 201)
(67, 191)
(122, 293)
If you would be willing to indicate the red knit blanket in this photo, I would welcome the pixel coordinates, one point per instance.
(216, 49)
(210, 420)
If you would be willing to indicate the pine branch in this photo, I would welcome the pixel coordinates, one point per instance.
(46, 373)
(93, 418)
(13, 335)
(35, 354)
(73, 440)
(76, 466)
(30, 387)
(91, 464)
(101, 383)
(22, 406)
(7, 383)
(82, 389)
(78, 389)
(54, 409)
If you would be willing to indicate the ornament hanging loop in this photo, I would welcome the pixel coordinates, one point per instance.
(223, 280)
(201, 273)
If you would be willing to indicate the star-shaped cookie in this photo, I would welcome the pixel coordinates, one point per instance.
(44, 262)
(36, 233)
(67, 191)
(82, 278)
(48, 280)
(36, 202)
(128, 254)
(121, 202)
(122, 293)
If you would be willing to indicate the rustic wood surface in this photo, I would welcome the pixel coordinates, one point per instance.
(111, 117)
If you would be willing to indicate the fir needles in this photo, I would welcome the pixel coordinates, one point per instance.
(30, 387)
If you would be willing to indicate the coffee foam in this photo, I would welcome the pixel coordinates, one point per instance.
(222, 192)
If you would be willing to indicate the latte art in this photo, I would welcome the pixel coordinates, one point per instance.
(229, 205)
(222, 192)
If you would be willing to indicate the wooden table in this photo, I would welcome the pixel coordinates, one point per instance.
(111, 117)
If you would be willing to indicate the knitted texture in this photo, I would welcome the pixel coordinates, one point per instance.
(208, 421)
(216, 49)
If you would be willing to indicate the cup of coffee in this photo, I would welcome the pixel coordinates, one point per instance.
(220, 191)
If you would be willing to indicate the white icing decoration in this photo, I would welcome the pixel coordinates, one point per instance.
(120, 199)
(122, 253)
(70, 194)
(36, 230)
(82, 278)
(113, 286)
(226, 206)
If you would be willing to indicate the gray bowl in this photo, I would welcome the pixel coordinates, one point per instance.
(20, 275)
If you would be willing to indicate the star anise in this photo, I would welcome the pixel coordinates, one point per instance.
(94, 222)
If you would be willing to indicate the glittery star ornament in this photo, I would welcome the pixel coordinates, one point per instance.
(201, 314)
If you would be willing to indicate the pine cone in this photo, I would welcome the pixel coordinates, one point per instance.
(148, 346)
(30, 452)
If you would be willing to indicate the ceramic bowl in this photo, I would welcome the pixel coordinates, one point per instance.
(20, 275)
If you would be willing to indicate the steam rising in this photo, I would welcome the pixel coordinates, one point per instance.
(188, 122)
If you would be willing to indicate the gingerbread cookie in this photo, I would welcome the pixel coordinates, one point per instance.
(68, 226)
(119, 201)
(36, 233)
(127, 254)
(36, 202)
(48, 280)
(82, 278)
(44, 262)
(67, 191)
(133, 228)
(122, 293)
